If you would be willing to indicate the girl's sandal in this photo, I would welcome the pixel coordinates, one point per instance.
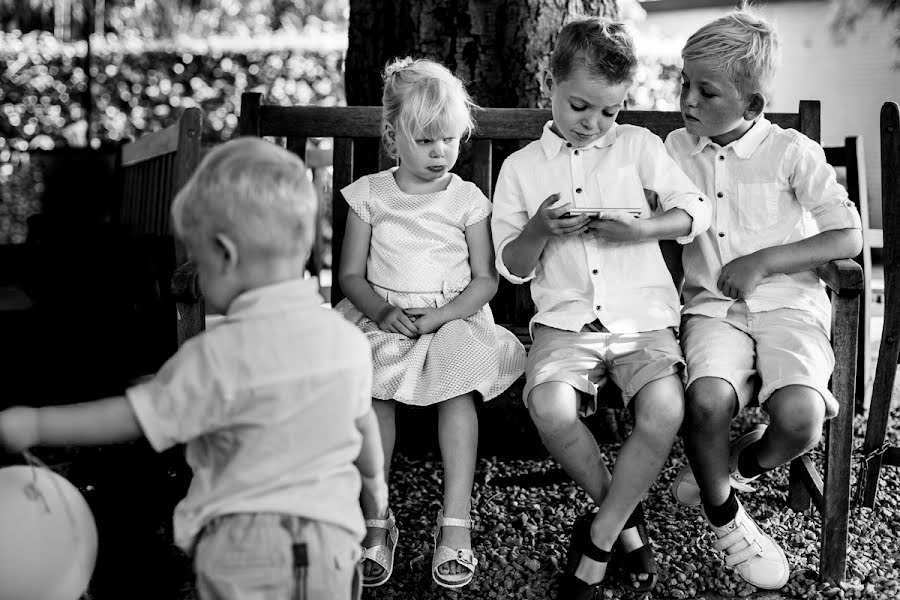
(634, 554)
(382, 555)
(444, 554)
(580, 544)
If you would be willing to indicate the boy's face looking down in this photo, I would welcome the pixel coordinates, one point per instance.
(712, 106)
(585, 106)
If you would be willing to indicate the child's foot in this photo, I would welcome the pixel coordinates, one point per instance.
(586, 563)
(453, 564)
(378, 550)
(687, 492)
(634, 555)
(756, 557)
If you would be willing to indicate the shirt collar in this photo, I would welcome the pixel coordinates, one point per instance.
(744, 146)
(553, 144)
(294, 293)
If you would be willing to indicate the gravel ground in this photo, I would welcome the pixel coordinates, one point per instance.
(522, 511)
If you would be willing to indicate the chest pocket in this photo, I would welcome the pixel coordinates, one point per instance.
(621, 188)
(757, 205)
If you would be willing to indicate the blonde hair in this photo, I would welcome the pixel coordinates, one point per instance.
(422, 97)
(253, 191)
(743, 45)
(597, 45)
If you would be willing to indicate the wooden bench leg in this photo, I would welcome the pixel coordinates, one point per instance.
(879, 409)
(836, 505)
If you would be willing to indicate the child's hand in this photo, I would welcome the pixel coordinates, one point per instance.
(393, 320)
(740, 277)
(18, 429)
(617, 227)
(427, 319)
(550, 221)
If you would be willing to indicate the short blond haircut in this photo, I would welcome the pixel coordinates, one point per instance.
(743, 45)
(255, 192)
(422, 97)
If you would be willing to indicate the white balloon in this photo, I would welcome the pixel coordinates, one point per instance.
(48, 544)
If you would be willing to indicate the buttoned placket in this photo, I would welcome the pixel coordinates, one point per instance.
(724, 204)
(576, 165)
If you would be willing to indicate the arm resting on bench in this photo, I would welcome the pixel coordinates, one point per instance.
(842, 276)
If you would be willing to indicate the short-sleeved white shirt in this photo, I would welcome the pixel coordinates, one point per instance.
(577, 280)
(770, 187)
(266, 402)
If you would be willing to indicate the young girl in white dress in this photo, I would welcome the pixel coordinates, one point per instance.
(418, 271)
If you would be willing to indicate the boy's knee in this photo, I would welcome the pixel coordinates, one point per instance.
(710, 401)
(553, 406)
(659, 413)
(797, 410)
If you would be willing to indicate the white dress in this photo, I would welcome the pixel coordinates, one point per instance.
(418, 257)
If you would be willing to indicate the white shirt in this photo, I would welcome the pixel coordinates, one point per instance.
(770, 187)
(579, 279)
(266, 402)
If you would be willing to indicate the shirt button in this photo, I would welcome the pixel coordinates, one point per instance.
(598, 307)
(721, 234)
(594, 271)
(721, 157)
(577, 153)
(568, 144)
(577, 190)
(719, 194)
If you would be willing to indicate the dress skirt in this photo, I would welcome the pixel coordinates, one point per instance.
(464, 355)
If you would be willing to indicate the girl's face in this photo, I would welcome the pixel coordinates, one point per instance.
(711, 104)
(425, 161)
(585, 106)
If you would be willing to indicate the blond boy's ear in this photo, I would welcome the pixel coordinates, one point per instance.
(227, 251)
(755, 106)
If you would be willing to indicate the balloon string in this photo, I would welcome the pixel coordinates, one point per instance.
(34, 462)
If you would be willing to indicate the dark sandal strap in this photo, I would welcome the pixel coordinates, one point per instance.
(640, 560)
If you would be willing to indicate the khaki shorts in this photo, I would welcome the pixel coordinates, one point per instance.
(268, 556)
(770, 349)
(586, 358)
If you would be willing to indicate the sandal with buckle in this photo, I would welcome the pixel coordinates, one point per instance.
(464, 557)
(634, 554)
(383, 554)
(580, 544)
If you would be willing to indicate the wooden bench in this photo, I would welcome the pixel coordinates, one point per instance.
(354, 128)
(876, 453)
(851, 159)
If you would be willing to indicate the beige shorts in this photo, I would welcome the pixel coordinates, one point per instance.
(245, 556)
(585, 359)
(768, 350)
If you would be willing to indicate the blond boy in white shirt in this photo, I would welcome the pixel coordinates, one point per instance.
(755, 311)
(274, 403)
(606, 304)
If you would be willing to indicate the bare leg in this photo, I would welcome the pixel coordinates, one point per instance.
(659, 409)
(797, 414)
(458, 438)
(711, 403)
(385, 411)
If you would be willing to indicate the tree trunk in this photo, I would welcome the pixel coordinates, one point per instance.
(500, 48)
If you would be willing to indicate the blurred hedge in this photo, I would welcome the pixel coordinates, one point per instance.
(140, 87)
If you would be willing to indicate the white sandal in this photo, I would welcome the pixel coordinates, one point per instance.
(465, 557)
(382, 555)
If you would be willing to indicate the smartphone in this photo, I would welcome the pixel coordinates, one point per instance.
(593, 212)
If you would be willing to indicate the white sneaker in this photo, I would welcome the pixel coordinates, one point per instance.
(756, 557)
(687, 492)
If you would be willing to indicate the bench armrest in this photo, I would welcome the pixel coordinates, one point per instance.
(186, 284)
(842, 276)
